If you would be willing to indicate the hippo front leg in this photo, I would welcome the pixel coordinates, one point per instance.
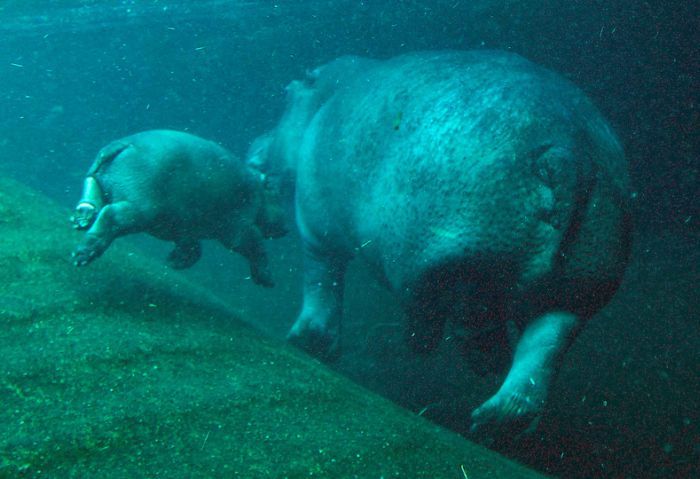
(247, 240)
(536, 359)
(112, 221)
(317, 328)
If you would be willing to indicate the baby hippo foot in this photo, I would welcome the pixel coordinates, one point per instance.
(184, 255)
(83, 216)
(314, 337)
(88, 250)
(261, 275)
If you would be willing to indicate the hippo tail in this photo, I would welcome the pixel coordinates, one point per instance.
(106, 155)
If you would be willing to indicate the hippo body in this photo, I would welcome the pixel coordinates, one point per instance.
(477, 186)
(177, 187)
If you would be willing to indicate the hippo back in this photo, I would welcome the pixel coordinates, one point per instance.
(477, 162)
(177, 179)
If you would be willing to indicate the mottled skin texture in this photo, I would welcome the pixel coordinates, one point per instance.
(177, 187)
(478, 186)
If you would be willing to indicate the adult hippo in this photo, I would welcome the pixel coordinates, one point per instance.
(477, 185)
(177, 187)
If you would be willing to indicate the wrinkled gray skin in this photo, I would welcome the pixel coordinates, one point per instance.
(478, 186)
(177, 187)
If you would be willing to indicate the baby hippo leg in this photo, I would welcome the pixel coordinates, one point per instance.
(537, 356)
(248, 242)
(88, 206)
(186, 253)
(113, 220)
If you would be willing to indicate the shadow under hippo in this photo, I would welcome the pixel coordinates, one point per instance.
(177, 187)
(477, 185)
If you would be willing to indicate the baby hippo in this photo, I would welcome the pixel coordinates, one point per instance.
(178, 187)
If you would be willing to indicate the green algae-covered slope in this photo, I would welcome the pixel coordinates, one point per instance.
(124, 369)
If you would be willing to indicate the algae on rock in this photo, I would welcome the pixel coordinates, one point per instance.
(124, 369)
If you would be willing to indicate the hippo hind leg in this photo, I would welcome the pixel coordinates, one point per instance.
(114, 220)
(431, 300)
(426, 322)
(89, 205)
(185, 254)
(538, 352)
(487, 349)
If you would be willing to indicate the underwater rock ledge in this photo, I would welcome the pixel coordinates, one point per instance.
(125, 369)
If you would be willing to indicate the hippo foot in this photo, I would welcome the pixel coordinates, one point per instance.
(89, 249)
(507, 412)
(83, 255)
(317, 341)
(84, 216)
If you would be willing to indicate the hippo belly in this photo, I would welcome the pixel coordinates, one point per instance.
(474, 183)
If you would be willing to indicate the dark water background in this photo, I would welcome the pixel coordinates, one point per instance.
(75, 75)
